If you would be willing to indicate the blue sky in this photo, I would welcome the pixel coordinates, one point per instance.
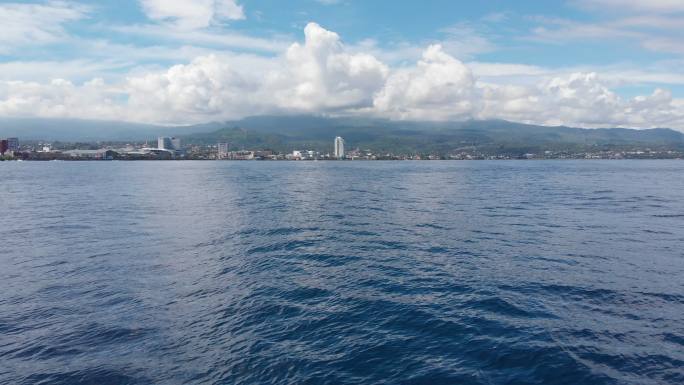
(583, 62)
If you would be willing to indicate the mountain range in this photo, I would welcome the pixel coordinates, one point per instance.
(285, 133)
(307, 132)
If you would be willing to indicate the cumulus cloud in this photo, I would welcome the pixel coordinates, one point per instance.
(193, 14)
(324, 76)
(582, 97)
(319, 75)
(438, 87)
(512, 102)
(206, 88)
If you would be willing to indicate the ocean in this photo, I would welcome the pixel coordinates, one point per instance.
(453, 272)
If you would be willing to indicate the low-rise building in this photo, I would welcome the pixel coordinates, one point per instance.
(13, 144)
(102, 154)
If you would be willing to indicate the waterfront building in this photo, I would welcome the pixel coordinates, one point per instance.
(243, 155)
(3, 146)
(102, 154)
(339, 147)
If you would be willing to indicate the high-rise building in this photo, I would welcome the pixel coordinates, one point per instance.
(223, 150)
(164, 143)
(176, 143)
(3, 146)
(339, 147)
(13, 144)
(168, 143)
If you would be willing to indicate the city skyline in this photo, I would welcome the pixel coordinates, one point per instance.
(585, 63)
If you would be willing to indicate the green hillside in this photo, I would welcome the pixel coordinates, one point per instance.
(304, 132)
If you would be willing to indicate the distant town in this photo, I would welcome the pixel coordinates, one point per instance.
(171, 148)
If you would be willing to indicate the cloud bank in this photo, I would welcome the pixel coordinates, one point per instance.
(321, 75)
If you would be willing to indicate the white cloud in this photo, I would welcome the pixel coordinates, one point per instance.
(461, 40)
(193, 14)
(22, 23)
(464, 41)
(205, 38)
(204, 88)
(484, 69)
(317, 76)
(45, 71)
(438, 87)
(580, 99)
(638, 6)
(60, 98)
(323, 75)
(650, 31)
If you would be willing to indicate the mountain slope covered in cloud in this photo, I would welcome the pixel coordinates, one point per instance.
(299, 132)
(285, 133)
(83, 130)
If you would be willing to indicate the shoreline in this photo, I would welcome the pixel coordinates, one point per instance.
(326, 160)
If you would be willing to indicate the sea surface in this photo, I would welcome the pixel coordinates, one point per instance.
(484, 272)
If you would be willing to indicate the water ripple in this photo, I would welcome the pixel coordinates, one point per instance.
(342, 273)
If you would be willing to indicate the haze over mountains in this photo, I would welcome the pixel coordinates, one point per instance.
(81, 130)
(284, 133)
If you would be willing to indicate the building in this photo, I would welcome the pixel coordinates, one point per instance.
(264, 154)
(176, 144)
(169, 143)
(103, 154)
(339, 147)
(13, 144)
(159, 153)
(223, 150)
(3, 146)
(243, 155)
(164, 143)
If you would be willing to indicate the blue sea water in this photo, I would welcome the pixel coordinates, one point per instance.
(513, 272)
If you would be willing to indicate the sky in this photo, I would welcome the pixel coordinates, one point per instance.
(585, 63)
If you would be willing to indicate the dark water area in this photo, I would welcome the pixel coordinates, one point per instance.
(514, 272)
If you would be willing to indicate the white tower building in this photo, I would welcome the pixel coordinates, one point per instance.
(339, 147)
